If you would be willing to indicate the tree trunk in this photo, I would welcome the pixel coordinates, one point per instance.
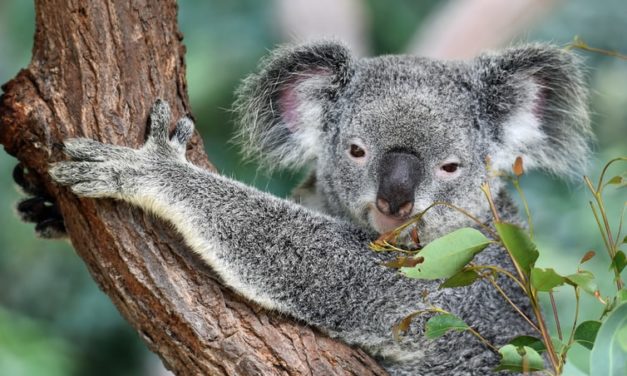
(97, 68)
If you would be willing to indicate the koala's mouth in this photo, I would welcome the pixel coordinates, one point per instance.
(383, 223)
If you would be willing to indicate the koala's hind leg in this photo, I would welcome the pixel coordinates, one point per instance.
(39, 208)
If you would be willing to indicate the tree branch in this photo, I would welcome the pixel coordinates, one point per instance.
(97, 67)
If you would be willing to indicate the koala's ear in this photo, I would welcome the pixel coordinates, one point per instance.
(535, 101)
(283, 108)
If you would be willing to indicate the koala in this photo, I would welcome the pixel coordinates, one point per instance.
(383, 138)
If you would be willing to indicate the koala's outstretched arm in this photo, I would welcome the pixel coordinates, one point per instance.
(272, 251)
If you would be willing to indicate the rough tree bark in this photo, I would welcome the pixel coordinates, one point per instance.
(97, 67)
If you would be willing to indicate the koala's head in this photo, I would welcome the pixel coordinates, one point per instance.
(388, 136)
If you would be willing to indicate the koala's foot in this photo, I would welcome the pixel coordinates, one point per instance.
(102, 170)
(39, 208)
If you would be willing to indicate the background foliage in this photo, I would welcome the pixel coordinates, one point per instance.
(55, 321)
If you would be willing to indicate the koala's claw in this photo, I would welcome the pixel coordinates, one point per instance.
(51, 229)
(40, 207)
(102, 170)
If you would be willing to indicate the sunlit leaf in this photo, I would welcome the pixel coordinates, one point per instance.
(518, 243)
(583, 279)
(619, 262)
(589, 255)
(615, 180)
(438, 325)
(545, 279)
(463, 278)
(518, 167)
(519, 359)
(404, 262)
(609, 353)
(446, 256)
(403, 326)
(533, 342)
(586, 332)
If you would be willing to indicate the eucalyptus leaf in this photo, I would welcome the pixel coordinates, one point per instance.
(519, 244)
(463, 278)
(586, 332)
(619, 262)
(519, 359)
(446, 256)
(609, 353)
(439, 325)
(615, 180)
(533, 342)
(545, 279)
(583, 279)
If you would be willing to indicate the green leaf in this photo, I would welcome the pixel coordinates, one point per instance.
(446, 256)
(624, 240)
(615, 180)
(621, 296)
(438, 325)
(586, 332)
(609, 353)
(529, 341)
(519, 244)
(583, 279)
(545, 279)
(519, 359)
(404, 261)
(463, 278)
(619, 262)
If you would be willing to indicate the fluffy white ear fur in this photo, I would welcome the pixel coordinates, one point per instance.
(282, 108)
(538, 94)
(302, 113)
(521, 136)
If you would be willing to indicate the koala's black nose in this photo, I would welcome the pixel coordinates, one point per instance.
(399, 174)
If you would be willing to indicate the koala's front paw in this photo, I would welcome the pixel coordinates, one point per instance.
(101, 170)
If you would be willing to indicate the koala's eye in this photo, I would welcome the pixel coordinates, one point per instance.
(450, 167)
(356, 151)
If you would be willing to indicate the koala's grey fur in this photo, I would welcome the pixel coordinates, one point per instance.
(306, 106)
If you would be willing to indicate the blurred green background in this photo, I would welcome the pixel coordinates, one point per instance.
(55, 321)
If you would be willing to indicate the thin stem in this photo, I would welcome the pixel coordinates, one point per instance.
(516, 183)
(572, 332)
(507, 298)
(485, 187)
(571, 338)
(608, 229)
(377, 247)
(620, 226)
(603, 236)
(607, 165)
(546, 338)
(483, 340)
(578, 43)
(557, 319)
(502, 271)
(419, 216)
